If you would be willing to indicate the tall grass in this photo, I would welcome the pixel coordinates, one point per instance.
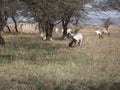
(28, 63)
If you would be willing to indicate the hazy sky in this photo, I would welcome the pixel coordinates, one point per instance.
(96, 17)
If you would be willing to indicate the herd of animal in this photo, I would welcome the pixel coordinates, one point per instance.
(77, 36)
(101, 33)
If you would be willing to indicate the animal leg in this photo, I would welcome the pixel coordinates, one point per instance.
(72, 42)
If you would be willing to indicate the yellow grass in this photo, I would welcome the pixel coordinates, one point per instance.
(28, 63)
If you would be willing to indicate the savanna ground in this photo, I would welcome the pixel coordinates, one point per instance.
(28, 63)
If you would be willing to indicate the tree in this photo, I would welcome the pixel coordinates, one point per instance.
(47, 12)
(71, 9)
(12, 7)
(2, 20)
(8, 8)
(107, 23)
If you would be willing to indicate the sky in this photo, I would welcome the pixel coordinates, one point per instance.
(98, 17)
(94, 17)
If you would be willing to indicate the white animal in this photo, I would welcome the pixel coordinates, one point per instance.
(106, 32)
(77, 38)
(42, 35)
(62, 30)
(56, 30)
(69, 33)
(99, 33)
(69, 30)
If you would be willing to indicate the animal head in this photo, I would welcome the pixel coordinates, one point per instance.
(70, 34)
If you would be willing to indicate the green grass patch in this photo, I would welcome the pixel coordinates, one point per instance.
(28, 63)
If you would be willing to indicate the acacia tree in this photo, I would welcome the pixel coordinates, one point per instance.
(7, 9)
(71, 9)
(107, 23)
(47, 12)
(12, 7)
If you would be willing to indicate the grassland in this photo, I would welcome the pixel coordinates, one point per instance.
(28, 63)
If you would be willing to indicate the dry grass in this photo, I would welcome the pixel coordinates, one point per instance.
(28, 63)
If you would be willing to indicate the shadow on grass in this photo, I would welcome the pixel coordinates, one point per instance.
(30, 84)
(30, 51)
(6, 58)
(106, 86)
(73, 85)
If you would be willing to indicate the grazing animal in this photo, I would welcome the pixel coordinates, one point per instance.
(99, 33)
(106, 32)
(69, 34)
(56, 30)
(42, 35)
(77, 38)
(69, 30)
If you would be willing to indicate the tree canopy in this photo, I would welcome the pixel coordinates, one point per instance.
(45, 12)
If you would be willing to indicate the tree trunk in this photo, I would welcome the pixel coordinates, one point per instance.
(107, 28)
(8, 28)
(64, 24)
(47, 28)
(77, 21)
(6, 23)
(2, 19)
(39, 27)
(13, 18)
(49, 31)
(2, 41)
